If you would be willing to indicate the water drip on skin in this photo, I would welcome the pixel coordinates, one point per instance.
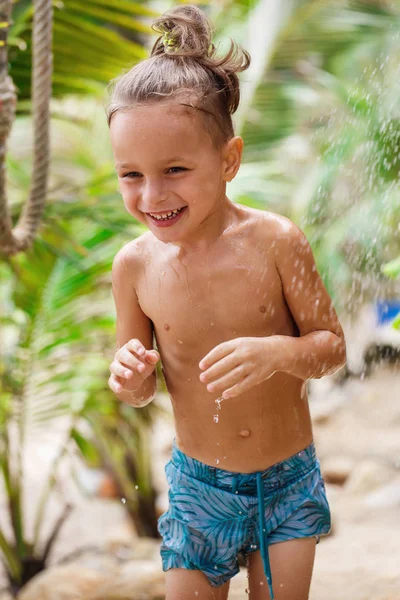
(297, 420)
(191, 296)
(209, 290)
(218, 403)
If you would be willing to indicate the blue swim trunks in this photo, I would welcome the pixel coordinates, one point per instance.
(214, 514)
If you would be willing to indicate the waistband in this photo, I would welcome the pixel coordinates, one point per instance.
(257, 483)
(274, 477)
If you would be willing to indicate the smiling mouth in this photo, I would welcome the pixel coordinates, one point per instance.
(167, 215)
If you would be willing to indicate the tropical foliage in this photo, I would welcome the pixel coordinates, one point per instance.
(93, 41)
(321, 131)
(58, 329)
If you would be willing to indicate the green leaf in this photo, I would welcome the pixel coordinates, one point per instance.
(392, 268)
(86, 447)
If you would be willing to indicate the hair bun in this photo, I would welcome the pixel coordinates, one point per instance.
(186, 31)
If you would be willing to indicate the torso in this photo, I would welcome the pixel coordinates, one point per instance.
(199, 301)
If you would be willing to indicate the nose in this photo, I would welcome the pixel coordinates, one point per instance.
(152, 196)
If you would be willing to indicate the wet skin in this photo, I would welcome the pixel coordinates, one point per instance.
(221, 273)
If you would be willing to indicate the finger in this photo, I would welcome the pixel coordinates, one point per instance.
(227, 381)
(114, 384)
(136, 346)
(120, 370)
(152, 356)
(240, 388)
(126, 357)
(217, 353)
(220, 368)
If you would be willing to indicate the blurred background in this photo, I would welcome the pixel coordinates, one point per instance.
(82, 480)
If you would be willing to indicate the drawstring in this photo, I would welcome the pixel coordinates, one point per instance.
(263, 534)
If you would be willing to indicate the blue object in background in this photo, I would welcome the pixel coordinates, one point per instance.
(387, 310)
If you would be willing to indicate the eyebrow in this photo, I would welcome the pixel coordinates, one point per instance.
(174, 159)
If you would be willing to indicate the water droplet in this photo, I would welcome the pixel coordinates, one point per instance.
(216, 418)
(218, 403)
(217, 461)
(123, 500)
(180, 342)
(136, 487)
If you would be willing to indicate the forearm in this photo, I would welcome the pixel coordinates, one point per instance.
(310, 356)
(142, 396)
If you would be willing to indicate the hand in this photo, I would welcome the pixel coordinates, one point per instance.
(234, 367)
(132, 364)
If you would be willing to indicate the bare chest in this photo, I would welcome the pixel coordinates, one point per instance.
(211, 299)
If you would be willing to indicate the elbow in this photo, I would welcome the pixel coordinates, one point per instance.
(343, 353)
(340, 357)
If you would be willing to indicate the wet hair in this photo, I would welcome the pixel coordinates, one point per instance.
(184, 65)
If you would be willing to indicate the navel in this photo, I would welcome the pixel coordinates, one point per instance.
(167, 327)
(262, 308)
(245, 433)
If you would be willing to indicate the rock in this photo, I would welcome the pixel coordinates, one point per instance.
(337, 469)
(146, 549)
(367, 475)
(387, 496)
(70, 582)
(122, 536)
(137, 580)
(322, 411)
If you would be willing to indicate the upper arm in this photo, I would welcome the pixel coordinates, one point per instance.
(303, 288)
(131, 320)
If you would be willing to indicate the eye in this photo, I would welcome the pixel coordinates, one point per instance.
(132, 174)
(177, 169)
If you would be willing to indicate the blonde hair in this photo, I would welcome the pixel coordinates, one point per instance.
(183, 63)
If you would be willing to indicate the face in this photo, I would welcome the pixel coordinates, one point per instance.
(171, 175)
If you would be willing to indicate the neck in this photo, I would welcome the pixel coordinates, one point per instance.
(210, 230)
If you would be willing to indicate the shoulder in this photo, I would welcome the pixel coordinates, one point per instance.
(129, 259)
(277, 230)
(287, 234)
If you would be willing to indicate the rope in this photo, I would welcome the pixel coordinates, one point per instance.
(22, 236)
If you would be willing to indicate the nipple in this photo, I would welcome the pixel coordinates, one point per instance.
(245, 433)
(167, 327)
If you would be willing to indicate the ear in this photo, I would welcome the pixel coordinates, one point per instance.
(232, 157)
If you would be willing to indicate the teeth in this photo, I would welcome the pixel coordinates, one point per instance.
(166, 215)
